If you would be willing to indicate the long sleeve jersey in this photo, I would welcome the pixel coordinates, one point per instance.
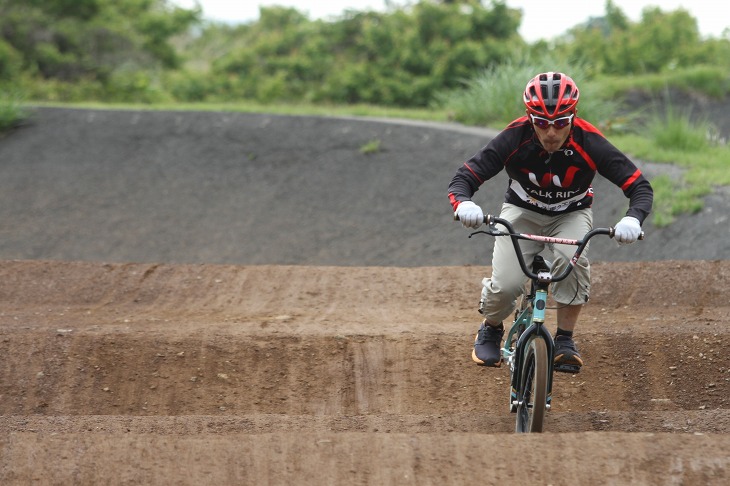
(552, 183)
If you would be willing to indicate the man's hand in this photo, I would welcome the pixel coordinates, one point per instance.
(627, 230)
(470, 215)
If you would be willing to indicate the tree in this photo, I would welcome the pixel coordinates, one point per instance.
(71, 40)
(659, 41)
(401, 57)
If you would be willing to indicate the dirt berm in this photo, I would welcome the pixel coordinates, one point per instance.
(219, 298)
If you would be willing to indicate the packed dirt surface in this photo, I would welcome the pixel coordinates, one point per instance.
(145, 340)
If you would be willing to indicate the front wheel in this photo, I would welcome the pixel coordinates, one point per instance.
(532, 394)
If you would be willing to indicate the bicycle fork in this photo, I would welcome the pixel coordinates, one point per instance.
(533, 317)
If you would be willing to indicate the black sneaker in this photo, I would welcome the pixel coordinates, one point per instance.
(567, 357)
(487, 351)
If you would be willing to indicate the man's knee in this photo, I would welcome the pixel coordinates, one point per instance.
(496, 302)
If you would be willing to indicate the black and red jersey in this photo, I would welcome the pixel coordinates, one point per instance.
(552, 183)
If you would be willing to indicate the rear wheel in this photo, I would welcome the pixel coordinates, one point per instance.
(532, 395)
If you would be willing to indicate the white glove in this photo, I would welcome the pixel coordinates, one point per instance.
(627, 230)
(470, 215)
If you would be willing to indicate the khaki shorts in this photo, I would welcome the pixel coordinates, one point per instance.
(507, 282)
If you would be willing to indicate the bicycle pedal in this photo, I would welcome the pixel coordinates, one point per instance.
(567, 368)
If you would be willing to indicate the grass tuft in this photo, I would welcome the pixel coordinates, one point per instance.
(12, 111)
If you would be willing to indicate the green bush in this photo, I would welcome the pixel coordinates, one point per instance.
(12, 109)
(187, 86)
(400, 58)
(134, 87)
(494, 97)
(11, 62)
(677, 137)
(675, 129)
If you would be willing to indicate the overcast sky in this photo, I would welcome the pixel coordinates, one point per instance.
(542, 19)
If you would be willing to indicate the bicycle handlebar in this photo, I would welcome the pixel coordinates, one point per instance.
(492, 221)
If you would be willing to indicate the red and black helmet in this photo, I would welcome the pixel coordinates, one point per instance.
(551, 94)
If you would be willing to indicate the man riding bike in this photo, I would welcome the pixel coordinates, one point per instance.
(551, 157)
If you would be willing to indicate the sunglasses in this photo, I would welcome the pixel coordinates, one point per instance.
(544, 123)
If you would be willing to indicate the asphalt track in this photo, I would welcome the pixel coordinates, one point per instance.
(202, 187)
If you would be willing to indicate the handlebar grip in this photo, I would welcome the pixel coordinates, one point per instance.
(612, 231)
(486, 218)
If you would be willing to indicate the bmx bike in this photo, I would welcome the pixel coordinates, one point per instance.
(529, 348)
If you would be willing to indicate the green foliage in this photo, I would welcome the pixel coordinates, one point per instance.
(399, 58)
(12, 109)
(11, 62)
(675, 129)
(408, 56)
(681, 140)
(710, 80)
(67, 42)
(661, 41)
(80, 9)
(372, 147)
(672, 198)
(494, 97)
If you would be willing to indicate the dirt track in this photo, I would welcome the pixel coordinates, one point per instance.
(190, 374)
(161, 372)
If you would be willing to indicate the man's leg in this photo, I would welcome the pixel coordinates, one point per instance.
(572, 293)
(501, 290)
(568, 317)
(567, 357)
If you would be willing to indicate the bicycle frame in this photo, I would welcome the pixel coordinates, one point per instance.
(530, 320)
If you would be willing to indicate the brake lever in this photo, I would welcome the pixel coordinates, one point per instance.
(491, 231)
(494, 231)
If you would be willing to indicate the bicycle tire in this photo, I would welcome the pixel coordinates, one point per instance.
(532, 396)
